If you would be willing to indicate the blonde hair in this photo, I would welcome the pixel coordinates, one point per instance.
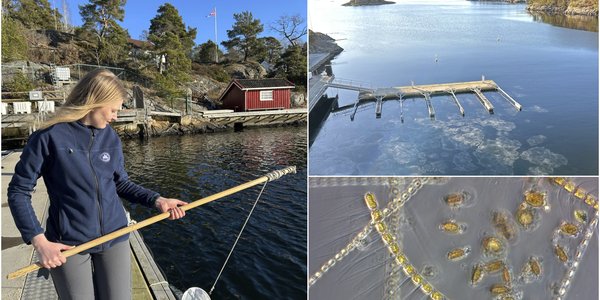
(96, 89)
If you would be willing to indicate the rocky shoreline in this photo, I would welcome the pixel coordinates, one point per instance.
(570, 10)
(188, 125)
(367, 2)
(157, 128)
(322, 43)
(568, 7)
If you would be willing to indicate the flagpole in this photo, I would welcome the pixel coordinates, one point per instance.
(216, 40)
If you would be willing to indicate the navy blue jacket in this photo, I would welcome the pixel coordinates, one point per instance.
(84, 173)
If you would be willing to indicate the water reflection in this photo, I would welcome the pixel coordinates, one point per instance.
(587, 23)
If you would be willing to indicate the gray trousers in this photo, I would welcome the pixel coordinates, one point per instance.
(104, 276)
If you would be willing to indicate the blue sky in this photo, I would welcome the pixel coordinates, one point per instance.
(138, 14)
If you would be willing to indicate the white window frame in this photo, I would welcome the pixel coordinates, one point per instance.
(266, 95)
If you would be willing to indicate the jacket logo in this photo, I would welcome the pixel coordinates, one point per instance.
(105, 157)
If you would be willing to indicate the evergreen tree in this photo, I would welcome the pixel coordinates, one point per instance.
(272, 49)
(173, 43)
(243, 35)
(33, 14)
(19, 83)
(205, 53)
(108, 39)
(14, 45)
(292, 65)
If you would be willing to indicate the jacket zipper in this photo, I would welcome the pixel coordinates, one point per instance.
(99, 204)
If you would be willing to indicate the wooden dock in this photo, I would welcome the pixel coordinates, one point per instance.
(255, 118)
(413, 91)
(147, 280)
(426, 92)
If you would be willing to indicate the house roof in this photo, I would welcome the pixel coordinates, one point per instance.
(251, 84)
(139, 44)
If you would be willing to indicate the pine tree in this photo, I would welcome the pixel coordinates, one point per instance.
(205, 53)
(14, 45)
(168, 21)
(272, 49)
(33, 14)
(173, 42)
(243, 35)
(108, 39)
(292, 65)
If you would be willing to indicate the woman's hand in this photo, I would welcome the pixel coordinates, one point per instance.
(49, 253)
(172, 206)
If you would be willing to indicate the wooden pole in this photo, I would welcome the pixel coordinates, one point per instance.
(115, 234)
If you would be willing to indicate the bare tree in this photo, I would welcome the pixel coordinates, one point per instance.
(290, 27)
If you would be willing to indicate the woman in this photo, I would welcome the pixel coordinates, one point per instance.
(80, 158)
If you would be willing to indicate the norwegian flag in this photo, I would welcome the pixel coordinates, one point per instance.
(213, 13)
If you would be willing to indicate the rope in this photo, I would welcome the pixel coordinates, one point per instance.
(159, 283)
(240, 234)
(274, 175)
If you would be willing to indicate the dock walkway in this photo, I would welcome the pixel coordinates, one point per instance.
(147, 280)
(255, 118)
(378, 95)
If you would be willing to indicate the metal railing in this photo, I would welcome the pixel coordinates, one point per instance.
(352, 83)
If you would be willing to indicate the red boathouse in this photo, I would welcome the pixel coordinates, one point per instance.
(257, 94)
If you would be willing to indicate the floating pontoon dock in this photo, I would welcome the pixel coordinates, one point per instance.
(426, 92)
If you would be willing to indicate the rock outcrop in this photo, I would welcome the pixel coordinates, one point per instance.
(367, 2)
(322, 43)
(568, 7)
(246, 71)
